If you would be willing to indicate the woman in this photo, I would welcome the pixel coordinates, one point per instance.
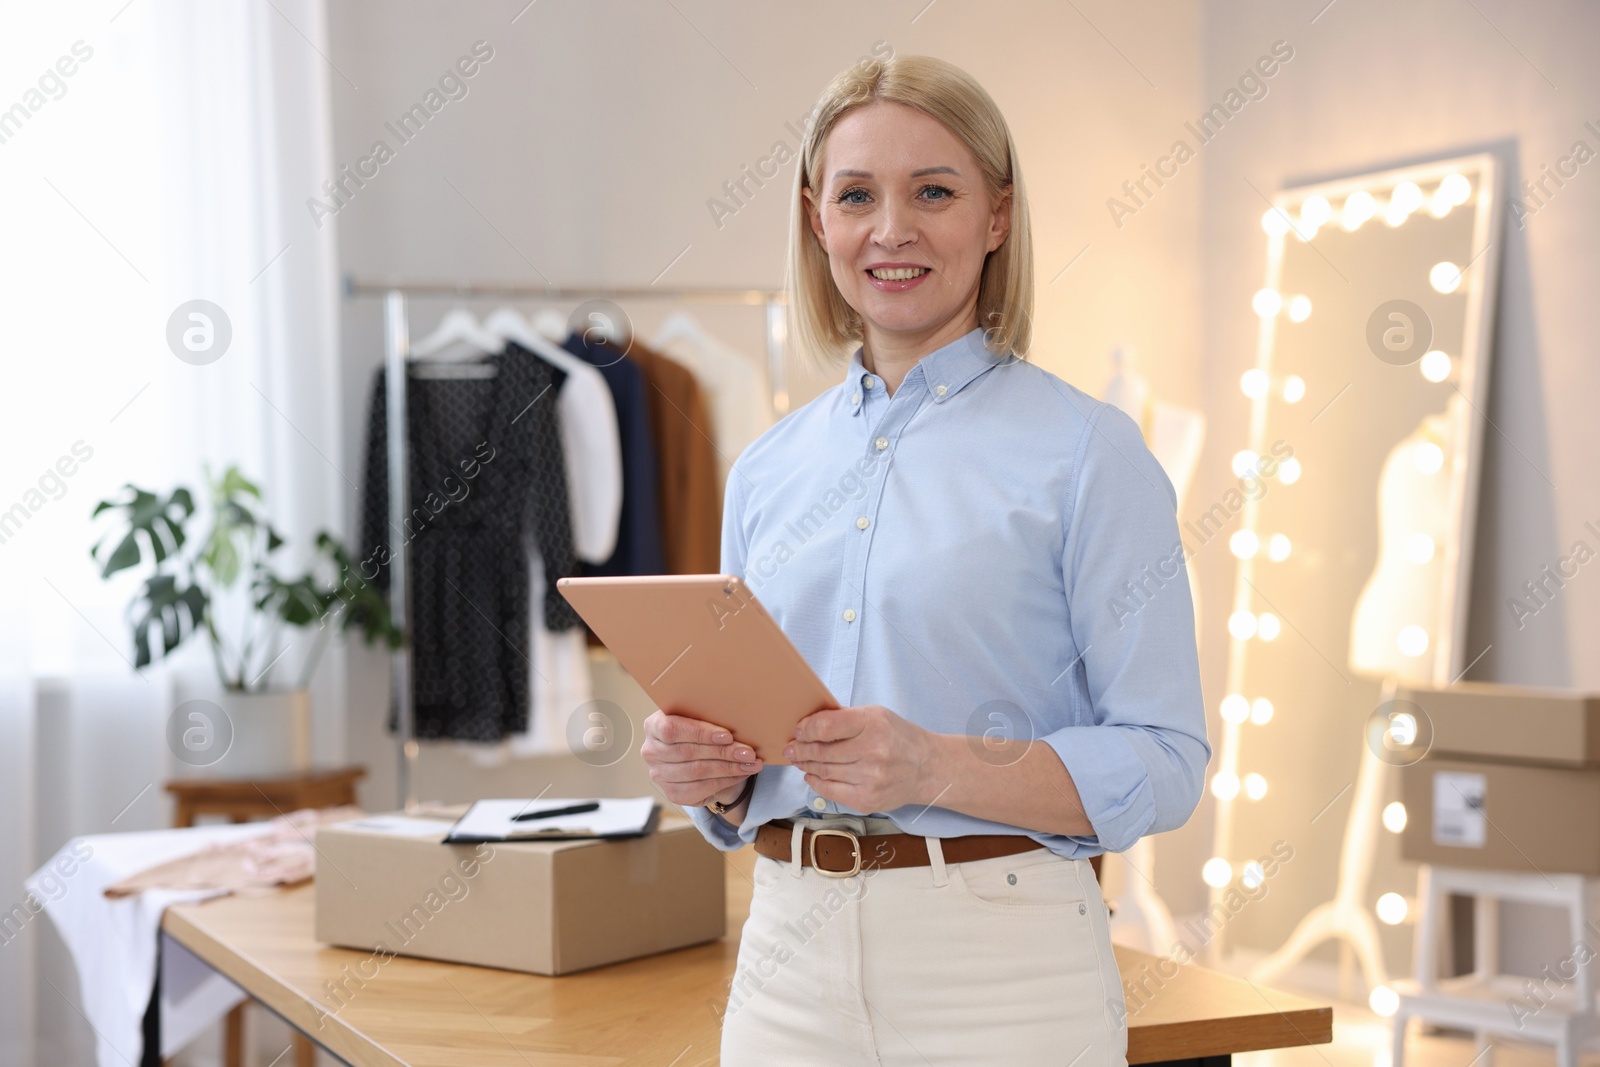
(983, 563)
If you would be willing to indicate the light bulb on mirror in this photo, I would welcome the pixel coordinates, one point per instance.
(1261, 711)
(1456, 189)
(1225, 786)
(1267, 302)
(1413, 641)
(1428, 457)
(1217, 872)
(1359, 206)
(1235, 708)
(1244, 543)
(1267, 626)
(1278, 548)
(1299, 308)
(1435, 366)
(1289, 471)
(1445, 277)
(1315, 210)
(1242, 625)
(1391, 909)
(1251, 876)
(1383, 1001)
(1394, 816)
(1419, 548)
(1255, 786)
(1294, 389)
(1253, 383)
(1245, 462)
(1275, 222)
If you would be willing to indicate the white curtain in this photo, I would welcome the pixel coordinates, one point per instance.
(151, 153)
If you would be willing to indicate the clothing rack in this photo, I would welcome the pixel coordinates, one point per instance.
(397, 347)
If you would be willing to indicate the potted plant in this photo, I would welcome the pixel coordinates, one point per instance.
(221, 584)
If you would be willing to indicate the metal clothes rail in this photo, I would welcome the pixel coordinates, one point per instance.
(397, 347)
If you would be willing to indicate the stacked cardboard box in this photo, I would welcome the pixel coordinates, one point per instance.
(1511, 780)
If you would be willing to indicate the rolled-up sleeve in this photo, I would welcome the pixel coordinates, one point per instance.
(1140, 767)
(716, 829)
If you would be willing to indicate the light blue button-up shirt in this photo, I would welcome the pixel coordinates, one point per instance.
(988, 552)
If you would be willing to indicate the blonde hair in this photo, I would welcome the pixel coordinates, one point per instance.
(820, 323)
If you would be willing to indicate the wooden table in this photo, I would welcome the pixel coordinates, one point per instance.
(245, 800)
(661, 1010)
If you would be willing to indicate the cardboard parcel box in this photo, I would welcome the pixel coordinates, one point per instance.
(386, 883)
(1517, 724)
(1486, 815)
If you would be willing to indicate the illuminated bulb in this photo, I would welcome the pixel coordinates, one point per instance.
(1253, 383)
(1244, 462)
(1435, 366)
(1315, 211)
(1277, 548)
(1266, 302)
(1255, 786)
(1267, 626)
(1261, 711)
(1275, 222)
(1244, 543)
(1242, 624)
(1252, 875)
(1383, 1001)
(1428, 457)
(1445, 277)
(1413, 640)
(1294, 389)
(1225, 786)
(1394, 817)
(1289, 471)
(1358, 208)
(1456, 189)
(1402, 730)
(1217, 872)
(1419, 548)
(1235, 708)
(1392, 909)
(1439, 204)
(1299, 308)
(1408, 195)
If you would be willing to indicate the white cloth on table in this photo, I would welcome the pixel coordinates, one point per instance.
(113, 942)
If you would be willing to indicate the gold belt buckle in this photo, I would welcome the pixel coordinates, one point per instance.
(855, 845)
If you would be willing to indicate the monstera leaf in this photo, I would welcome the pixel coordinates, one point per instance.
(172, 611)
(155, 525)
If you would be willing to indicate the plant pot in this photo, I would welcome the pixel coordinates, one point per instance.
(242, 735)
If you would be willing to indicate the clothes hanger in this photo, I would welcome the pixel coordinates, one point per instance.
(507, 325)
(680, 326)
(458, 338)
(551, 324)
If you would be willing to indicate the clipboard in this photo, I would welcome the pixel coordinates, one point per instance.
(702, 645)
(496, 821)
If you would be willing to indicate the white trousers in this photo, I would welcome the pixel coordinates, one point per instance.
(998, 961)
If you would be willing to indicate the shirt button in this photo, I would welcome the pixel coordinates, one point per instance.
(849, 614)
(855, 398)
(867, 382)
(820, 804)
(862, 523)
(882, 443)
(939, 389)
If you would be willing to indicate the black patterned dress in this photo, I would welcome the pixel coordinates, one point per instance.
(487, 481)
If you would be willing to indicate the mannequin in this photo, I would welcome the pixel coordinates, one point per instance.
(1174, 436)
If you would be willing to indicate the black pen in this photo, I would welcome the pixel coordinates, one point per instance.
(571, 809)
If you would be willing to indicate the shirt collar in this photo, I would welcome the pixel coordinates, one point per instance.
(944, 372)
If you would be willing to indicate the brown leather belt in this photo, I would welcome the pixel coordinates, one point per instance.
(839, 853)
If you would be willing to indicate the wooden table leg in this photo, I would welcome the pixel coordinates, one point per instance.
(305, 1053)
(233, 1037)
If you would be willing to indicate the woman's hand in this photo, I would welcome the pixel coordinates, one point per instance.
(694, 762)
(866, 758)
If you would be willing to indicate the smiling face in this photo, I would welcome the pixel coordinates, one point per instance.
(901, 207)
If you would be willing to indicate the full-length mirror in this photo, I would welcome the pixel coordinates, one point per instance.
(1361, 462)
